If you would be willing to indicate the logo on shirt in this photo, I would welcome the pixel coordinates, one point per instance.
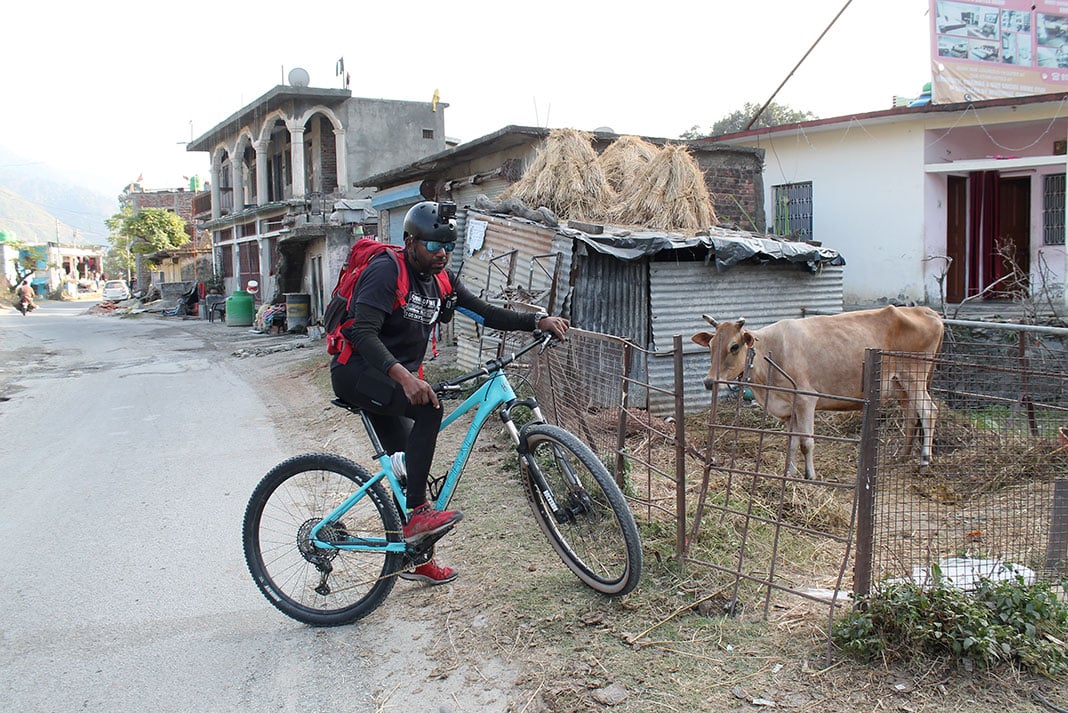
(422, 309)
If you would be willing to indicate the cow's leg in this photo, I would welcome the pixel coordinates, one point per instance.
(791, 447)
(928, 414)
(804, 423)
(920, 410)
(902, 387)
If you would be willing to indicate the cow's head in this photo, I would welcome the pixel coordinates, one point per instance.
(728, 346)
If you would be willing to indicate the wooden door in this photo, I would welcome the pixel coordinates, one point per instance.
(956, 237)
(1014, 236)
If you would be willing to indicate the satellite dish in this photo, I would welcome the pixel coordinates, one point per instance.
(604, 130)
(298, 77)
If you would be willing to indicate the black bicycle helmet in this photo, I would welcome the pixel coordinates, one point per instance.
(424, 222)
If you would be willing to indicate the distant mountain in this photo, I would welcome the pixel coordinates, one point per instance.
(33, 197)
(31, 223)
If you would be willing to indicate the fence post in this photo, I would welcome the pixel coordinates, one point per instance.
(866, 473)
(680, 451)
(621, 425)
(1057, 550)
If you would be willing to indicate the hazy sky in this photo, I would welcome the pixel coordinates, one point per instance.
(108, 90)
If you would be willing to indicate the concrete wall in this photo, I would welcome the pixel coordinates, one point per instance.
(383, 134)
(874, 216)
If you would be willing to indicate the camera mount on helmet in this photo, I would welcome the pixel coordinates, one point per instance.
(430, 220)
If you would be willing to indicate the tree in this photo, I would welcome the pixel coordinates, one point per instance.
(147, 231)
(774, 115)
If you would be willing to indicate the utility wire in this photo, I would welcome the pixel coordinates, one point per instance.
(775, 93)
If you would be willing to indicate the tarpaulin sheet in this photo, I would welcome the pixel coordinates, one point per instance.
(726, 248)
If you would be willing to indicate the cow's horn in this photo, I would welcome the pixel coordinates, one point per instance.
(710, 320)
(741, 322)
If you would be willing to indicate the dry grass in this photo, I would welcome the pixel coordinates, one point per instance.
(633, 183)
(669, 193)
(624, 159)
(565, 177)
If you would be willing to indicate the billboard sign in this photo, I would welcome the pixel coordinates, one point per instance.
(990, 49)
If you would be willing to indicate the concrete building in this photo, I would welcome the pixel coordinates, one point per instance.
(927, 203)
(193, 261)
(57, 267)
(283, 175)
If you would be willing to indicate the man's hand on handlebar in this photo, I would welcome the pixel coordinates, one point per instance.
(557, 326)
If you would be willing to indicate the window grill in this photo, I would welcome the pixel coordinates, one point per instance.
(793, 210)
(1053, 210)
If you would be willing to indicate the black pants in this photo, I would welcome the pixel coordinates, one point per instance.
(401, 426)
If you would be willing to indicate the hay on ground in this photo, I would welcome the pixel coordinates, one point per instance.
(566, 177)
(624, 159)
(669, 193)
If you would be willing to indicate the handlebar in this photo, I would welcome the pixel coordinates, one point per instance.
(453, 387)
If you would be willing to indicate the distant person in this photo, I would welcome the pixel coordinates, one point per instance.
(25, 292)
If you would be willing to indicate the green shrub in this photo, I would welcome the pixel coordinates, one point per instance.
(1007, 621)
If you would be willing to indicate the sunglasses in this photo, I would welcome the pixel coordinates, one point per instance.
(435, 245)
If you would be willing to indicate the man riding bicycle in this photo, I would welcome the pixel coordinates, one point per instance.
(389, 343)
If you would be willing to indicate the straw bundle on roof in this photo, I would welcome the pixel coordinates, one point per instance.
(669, 193)
(565, 177)
(624, 158)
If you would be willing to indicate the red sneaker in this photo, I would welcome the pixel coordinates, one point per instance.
(426, 521)
(431, 573)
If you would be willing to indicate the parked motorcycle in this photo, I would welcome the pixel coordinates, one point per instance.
(25, 306)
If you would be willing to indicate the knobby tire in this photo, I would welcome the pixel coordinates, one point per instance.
(289, 500)
(600, 542)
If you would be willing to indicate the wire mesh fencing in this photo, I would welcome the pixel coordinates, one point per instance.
(595, 386)
(992, 504)
(717, 487)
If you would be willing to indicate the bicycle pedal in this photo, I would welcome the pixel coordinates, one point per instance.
(427, 542)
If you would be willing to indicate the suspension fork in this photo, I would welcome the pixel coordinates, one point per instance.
(562, 512)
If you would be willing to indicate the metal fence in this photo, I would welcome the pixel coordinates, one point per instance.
(994, 501)
(710, 485)
(714, 485)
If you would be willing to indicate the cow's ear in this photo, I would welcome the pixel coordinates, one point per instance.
(702, 338)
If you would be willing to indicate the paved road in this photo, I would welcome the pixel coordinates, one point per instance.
(127, 451)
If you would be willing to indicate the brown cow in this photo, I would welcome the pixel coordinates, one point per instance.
(825, 354)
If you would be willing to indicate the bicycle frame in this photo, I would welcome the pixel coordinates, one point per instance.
(495, 394)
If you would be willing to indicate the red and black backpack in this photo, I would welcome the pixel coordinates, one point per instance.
(336, 315)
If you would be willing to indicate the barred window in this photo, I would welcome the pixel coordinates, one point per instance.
(1053, 210)
(793, 210)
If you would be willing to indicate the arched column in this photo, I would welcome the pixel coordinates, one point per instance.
(261, 171)
(296, 156)
(216, 200)
(342, 161)
(237, 180)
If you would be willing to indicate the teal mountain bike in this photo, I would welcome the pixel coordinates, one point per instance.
(322, 534)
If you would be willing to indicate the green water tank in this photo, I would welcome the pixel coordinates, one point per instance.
(240, 309)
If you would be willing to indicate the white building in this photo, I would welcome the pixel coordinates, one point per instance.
(904, 193)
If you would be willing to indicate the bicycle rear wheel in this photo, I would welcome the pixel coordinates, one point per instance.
(592, 529)
(316, 585)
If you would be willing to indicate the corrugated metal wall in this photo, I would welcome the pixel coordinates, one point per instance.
(466, 194)
(682, 291)
(645, 301)
(515, 253)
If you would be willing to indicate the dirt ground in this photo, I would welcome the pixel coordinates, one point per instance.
(547, 644)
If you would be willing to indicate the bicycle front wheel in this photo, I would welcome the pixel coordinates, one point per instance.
(584, 514)
(317, 585)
